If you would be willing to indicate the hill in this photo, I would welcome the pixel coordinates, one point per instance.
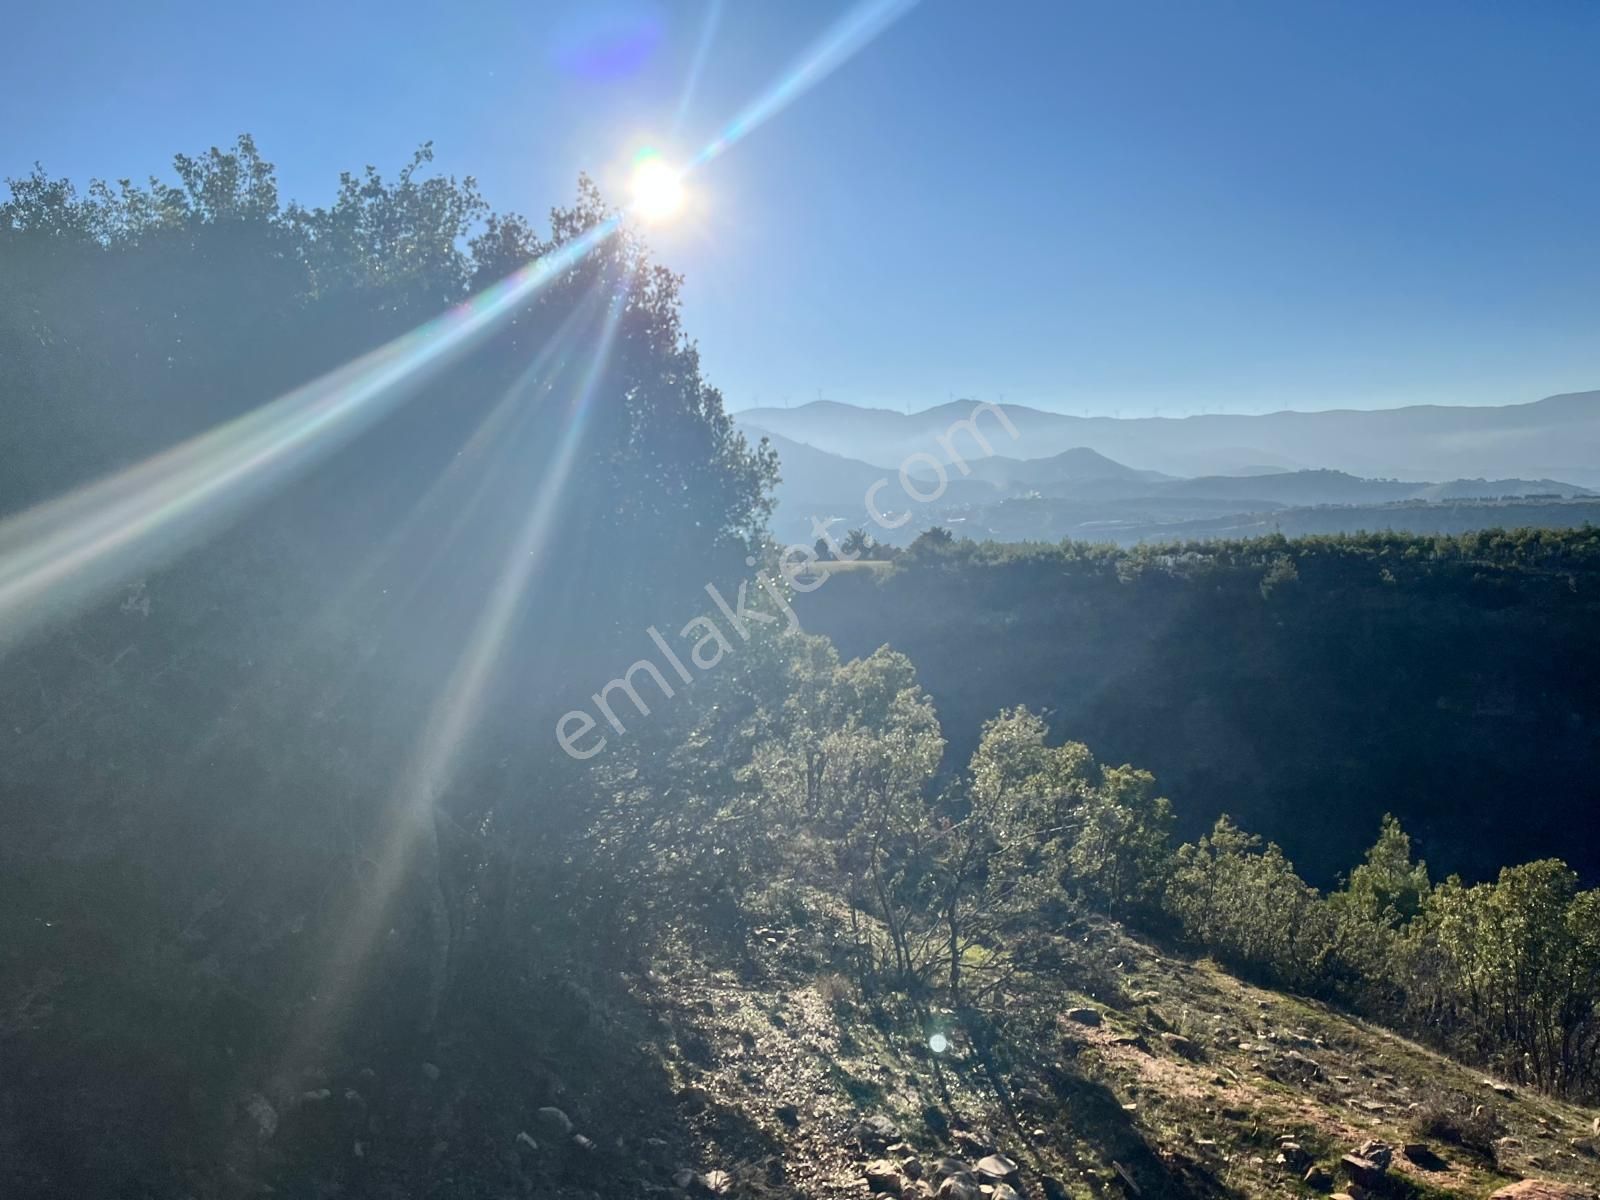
(1558, 437)
(1121, 1071)
(1433, 678)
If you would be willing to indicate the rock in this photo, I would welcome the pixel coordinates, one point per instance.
(938, 1124)
(996, 1166)
(1363, 1171)
(883, 1176)
(317, 1096)
(555, 1120)
(949, 1166)
(684, 1179)
(911, 1167)
(1133, 1041)
(430, 1072)
(960, 1187)
(1293, 1155)
(1420, 1154)
(1181, 1046)
(1083, 1016)
(526, 1139)
(876, 1131)
(1541, 1189)
(973, 1143)
(1379, 1154)
(1054, 1189)
(1004, 1191)
(1317, 1179)
(582, 1143)
(714, 1183)
(788, 1114)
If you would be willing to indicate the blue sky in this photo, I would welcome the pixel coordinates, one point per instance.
(1103, 207)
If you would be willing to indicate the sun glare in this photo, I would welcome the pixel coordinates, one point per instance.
(657, 189)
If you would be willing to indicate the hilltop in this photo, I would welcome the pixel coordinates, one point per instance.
(1557, 437)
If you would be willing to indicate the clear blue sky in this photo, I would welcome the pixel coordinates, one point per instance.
(1098, 206)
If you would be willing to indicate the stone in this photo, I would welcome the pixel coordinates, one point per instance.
(959, 1187)
(1361, 1170)
(1379, 1154)
(938, 1124)
(971, 1142)
(716, 1182)
(1083, 1016)
(1293, 1155)
(911, 1167)
(526, 1139)
(1542, 1189)
(883, 1176)
(1181, 1046)
(996, 1166)
(1004, 1191)
(582, 1143)
(1421, 1154)
(788, 1114)
(554, 1119)
(1318, 1179)
(316, 1096)
(876, 1131)
(1053, 1188)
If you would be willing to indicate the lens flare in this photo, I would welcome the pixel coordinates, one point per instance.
(657, 189)
(69, 552)
(938, 1043)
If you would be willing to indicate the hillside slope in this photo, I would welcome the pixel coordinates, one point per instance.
(1113, 1070)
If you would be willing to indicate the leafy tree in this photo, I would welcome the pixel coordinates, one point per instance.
(1520, 973)
(857, 543)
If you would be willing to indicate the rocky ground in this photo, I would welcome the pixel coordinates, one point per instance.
(1107, 1070)
(1162, 1077)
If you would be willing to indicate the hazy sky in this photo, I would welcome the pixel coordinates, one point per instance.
(1105, 206)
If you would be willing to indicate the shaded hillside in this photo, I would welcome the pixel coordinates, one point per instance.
(1304, 687)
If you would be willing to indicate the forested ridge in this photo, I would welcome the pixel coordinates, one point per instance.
(300, 894)
(1306, 686)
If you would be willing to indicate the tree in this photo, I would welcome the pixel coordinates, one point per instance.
(1521, 973)
(857, 543)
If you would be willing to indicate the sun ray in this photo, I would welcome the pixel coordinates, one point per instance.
(66, 552)
(842, 41)
(456, 710)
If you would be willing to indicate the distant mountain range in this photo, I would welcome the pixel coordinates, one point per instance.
(1554, 438)
(1082, 492)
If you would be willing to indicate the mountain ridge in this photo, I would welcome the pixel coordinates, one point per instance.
(1555, 437)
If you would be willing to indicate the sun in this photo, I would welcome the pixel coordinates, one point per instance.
(657, 189)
